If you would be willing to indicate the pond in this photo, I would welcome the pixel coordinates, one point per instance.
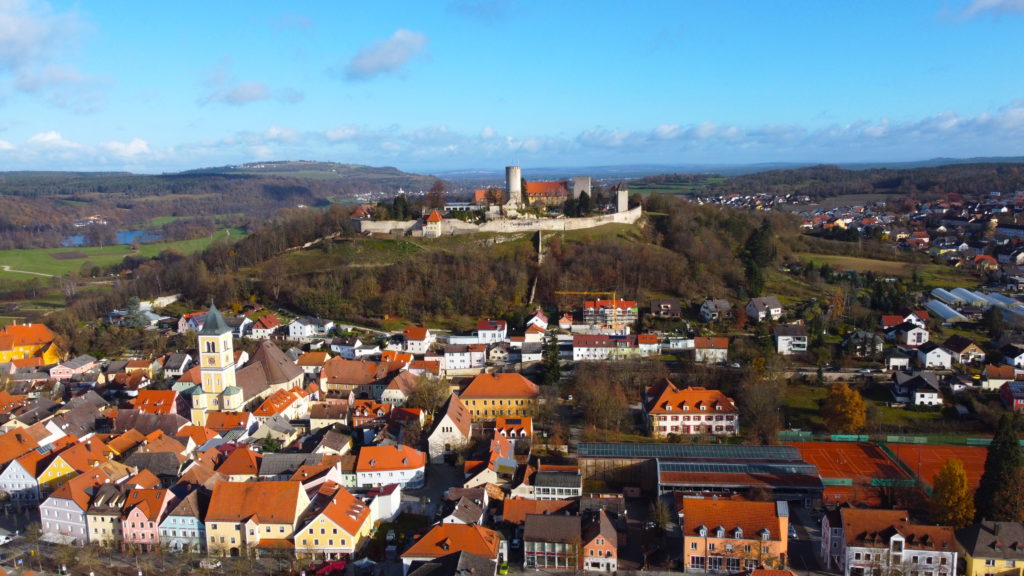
(123, 237)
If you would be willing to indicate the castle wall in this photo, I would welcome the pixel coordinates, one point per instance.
(517, 225)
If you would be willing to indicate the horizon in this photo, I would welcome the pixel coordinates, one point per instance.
(480, 84)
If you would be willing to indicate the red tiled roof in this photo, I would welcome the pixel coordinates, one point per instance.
(156, 401)
(751, 517)
(372, 458)
(444, 539)
(415, 333)
(711, 343)
(434, 217)
(271, 502)
(516, 509)
(504, 385)
(546, 189)
(674, 400)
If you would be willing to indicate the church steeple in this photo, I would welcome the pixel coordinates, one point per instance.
(216, 368)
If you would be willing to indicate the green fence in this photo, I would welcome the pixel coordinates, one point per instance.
(979, 441)
(849, 438)
(906, 439)
(796, 436)
(837, 481)
(893, 482)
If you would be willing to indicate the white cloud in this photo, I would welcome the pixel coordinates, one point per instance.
(223, 88)
(278, 134)
(51, 139)
(386, 56)
(132, 149)
(5, 145)
(342, 133)
(487, 133)
(977, 7)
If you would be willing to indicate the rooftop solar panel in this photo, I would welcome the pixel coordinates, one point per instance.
(688, 451)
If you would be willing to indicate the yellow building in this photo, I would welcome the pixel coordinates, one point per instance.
(992, 548)
(733, 535)
(27, 340)
(217, 370)
(336, 524)
(247, 515)
(490, 396)
(70, 462)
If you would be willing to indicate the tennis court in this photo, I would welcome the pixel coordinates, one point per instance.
(849, 469)
(926, 461)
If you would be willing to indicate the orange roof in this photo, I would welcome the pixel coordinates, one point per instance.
(79, 489)
(712, 342)
(242, 462)
(313, 359)
(199, 434)
(673, 400)
(371, 409)
(867, 527)
(9, 402)
(434, 217)
(432, 366)
(341, 507)
(269, 502)
(546, 189)
(157, 442)
(34, 461)
(126, 441)
(617, 304)
(221, 421)
(415, 333)
(444, 539)
(27, 334)
(516, 509)
(156, 401)
(84, 455)
(751, 516)
(514, 426)
(149, 501)
(1006, 372)
(457, 413)
(193, 375)
(373, 458)
(22, 363)
(267, 322)
(144, 479)
(649, 339)
(505, 385)
(395, 356)
(278, 402)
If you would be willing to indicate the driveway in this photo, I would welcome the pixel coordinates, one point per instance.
(425, 501)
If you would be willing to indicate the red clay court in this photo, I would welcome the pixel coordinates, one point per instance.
(860, 462)
(926, 460)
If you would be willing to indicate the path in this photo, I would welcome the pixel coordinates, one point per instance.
(7, 268)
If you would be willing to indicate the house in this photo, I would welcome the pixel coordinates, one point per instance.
(144, 510)
(452, 431)
(689, 411)
(71, 461)
(20, 479)
(78, 365)
(247, 515)
(433, 225)
(1013, 354)
(610, 312)
(292, 404)
(308, 327)
(241, 465)
(613, 346)
(26, 341)
(417, 339)
(881, 540)
(161, 402)
(733, 536)
(964, 350)
(177, 364)
(714, 310)
(336, 524)
(465, 511)
(489, 396)
(328, 413)
(464, 357)
(264, 327)
(353, 348)
(63, 514)
(380, 465)
(444, 539)
(862, 344)
(455, 564)
(710, 350)
(765, 308)
(790, 339)
(552, 543)
(182, 527)
(666, 308)
(312, 362)
(369, 411)
(897, 359)
(103, 518)
(996, 376)
(191, 322)
(1012, 395)
(917, 388)
(538, 319)
(908, 334)
(565, 322)
(514, 428)
(491, 331)
(600, 543)
(557, 482)
(399, 389)
(931, 355)
(990, 547)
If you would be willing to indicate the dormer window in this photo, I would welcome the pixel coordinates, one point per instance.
(717, 407)
(720, 532)
(765, 534)
(702, 531)
(668, 407)
(738, 533)
(703, 408)
(686, 407)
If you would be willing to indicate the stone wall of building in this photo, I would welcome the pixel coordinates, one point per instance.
(452, 226)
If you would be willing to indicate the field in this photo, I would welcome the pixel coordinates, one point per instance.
(25, 264)
(926, 460)
(683, 189)
(859, 462)
(934, 275)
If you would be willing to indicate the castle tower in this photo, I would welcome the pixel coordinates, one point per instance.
(217, 369)
(622, 198)
(581, 184)
(514, 185)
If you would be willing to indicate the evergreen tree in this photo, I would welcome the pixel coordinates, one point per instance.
(552, 363)
(583, 204)
(1002, 470)
(952, 501)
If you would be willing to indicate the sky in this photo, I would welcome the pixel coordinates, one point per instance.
(153, 87)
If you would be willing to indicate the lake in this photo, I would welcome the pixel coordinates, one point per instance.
(123, 237)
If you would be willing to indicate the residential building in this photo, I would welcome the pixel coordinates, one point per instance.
(931, 355)
(380, 465)
(489, 396)
(444, 539)
(417, 339)
(878, 541)
(989, 548)
(710, 350)
(610, 312)
(264, 327)
(491, 331)
(1012, 395)
(63, 514)
(733, 536)
(452, 431)
(182, 527)
(26, 341)
(103, 517)
(464, 356)
(600, 543)
(613, 346)
(557, 482)
(917, 388)
(335, 525)
(964, 350)
(790, 339)
(714, 310)
(307, 327)
(552, 543)
(144, 510)
(666, 308)
(764, 308)
(689, 411)
(247, 515)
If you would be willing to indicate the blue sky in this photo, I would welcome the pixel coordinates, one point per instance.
(479, 84)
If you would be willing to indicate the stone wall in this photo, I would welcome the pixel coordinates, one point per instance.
(453, 226)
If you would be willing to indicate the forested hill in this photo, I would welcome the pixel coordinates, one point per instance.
(40, 208)
(829, 180)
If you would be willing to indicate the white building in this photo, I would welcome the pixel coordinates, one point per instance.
(884, 542)
(452, 432)
(714, 310)
(931, 355)
(790, 339)
(380, 465)
(491, 331)
(307, 327)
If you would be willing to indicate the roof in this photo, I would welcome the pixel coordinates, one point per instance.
(457, 413)
(673, 400)
(600, 525)
(1006, 372)
(214, 324)
(751, 517)
(434, 217)
(958, 343)
(279, 369)
(277, 464)
(454, 564)
(517, 426)
(516, 509)
(242, 461)
(16, 335)
(221, 421)
(791, 330)
(444, 539)
(400, 457)
(81, 488)
(874, 528)
(278, 402)
(552, 528)
(667, 451)
(712, 342)
(156, 401)
(273, 502)
(505, 385)
(149, 501)
(609, 304)
(989, 539)
(415, 333)
(315, 358)
(337, 504)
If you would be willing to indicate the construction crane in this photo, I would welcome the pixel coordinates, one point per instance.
(615, 302)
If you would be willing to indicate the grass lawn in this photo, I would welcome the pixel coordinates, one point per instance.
(41, 260)
(802, 406)
(933, 275)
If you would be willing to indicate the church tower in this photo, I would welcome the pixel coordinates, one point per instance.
(217, 369)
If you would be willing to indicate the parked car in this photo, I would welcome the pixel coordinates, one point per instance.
(5, 539)
(209, 563)
(792, 532)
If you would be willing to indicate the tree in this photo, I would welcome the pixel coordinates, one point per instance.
(998, 495)
(952, 501)
(552, 363)
(760, 401)
(435, 197)
(270, 444)
(583, 204)
(412, 435)
(430, 394)
(660, 514)
(844, 410)
(992, 320)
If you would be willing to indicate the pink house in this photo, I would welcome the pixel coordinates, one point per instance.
(143, 511)
(79, 365)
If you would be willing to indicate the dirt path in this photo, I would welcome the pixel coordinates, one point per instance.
(8, 269)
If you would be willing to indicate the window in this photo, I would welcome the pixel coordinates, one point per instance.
(693, 545)
(711, 546)
(989, 562)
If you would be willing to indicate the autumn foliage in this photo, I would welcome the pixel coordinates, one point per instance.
(844, 410)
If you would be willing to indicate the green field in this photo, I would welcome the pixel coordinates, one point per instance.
(41, 260)
(933, 275)
(681, 189)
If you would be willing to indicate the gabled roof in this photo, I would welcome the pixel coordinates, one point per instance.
(156, 401)
(444, 539)
(989, 539)
(15, 335)
(223, 421)
(242, 461)
(314, 358)
(958, 343)
(457, 413)
(150, 502)
(271, 502)
(874, 528)
(600, 525)
(751, 517)
(434, 217)
(190, 506)
(400, 457)
(711, 343)
(338, 505)
(455, 564)
(666, 398)
(278, 402)
(415, 333)
(557, 528)
(278, 368)
(81, 488)
(505, 385)
(516, 509)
